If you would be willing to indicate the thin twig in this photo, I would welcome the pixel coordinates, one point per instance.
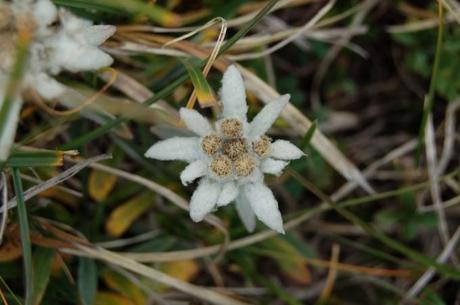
(428, 275)
(37, 189)
(300, 32)
(431, 158)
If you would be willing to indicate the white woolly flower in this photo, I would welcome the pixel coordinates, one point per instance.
(60, 42)
(231, 157)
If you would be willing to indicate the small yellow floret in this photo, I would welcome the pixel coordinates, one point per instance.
(221, 166)
(234, 148)
(231, 128)
(211, 144)
(245, 165)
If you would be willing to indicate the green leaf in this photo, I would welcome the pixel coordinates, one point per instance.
(35, 159)
(428, 105)
(87, 280)
(431, 298)
(25, 237)
(43, 258)
(11, 102)
(154, 12)
(308, 135)
(204, 92)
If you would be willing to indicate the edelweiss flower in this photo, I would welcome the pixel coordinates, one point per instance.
(61, 41)
(232, 158)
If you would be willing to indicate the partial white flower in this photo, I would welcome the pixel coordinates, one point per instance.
(231, 157)
(61, 42)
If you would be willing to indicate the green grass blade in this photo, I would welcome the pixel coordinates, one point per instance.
(25, 237)
(204, 92)
(35, 159)
(87, 280)
(170, 88)
(308, 135)
(428, 104)
(397, 246)
(11, 103)
(382, 237)
(43, 258)
(134, 7)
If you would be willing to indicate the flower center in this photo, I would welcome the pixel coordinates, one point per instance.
(221, 166)
(245, 165)
(262, 146)
(234, 148)
(211, 144)
(231, 128)
(231, 152)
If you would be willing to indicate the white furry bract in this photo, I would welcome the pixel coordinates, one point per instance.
(272, 166)
(195, 121)
(244, 209)
(233, 94)
(60, 42)
(177, 148)
(264, 205)
(285, 150)
(193, 171)
(204, 199)
(228, 194)
(267, 116)
(222, 177)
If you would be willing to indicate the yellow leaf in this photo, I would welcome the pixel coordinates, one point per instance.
(123, 216)
(184, 270)
(10, 250)
(101, 184)
(124, 286)
(110, 298)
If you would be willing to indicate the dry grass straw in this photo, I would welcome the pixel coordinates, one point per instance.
(153, 274)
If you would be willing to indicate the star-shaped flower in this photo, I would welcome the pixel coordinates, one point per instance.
(61, 41)
(231, 158)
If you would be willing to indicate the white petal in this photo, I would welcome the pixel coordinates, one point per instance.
(245, 212)
(86, 58)
(97, 34)
(274, 167)
(233, 94)
(47, 87)
(193, 171)
(267, 116)
(285, 150)
(195, 121)
(264, 205)
(176, 148)
(228, 194)
(45, 12)
(204, 199)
